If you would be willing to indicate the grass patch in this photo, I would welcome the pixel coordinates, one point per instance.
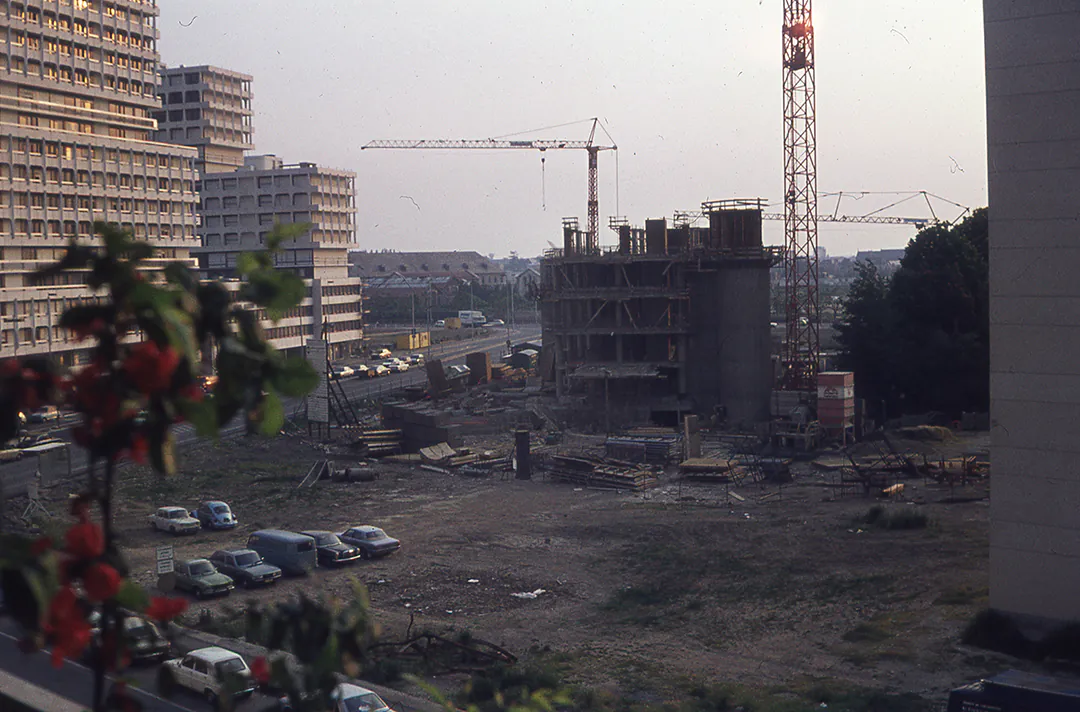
(896, 519)
(964, 596)
(866, 633)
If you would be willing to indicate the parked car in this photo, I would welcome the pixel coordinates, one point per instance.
(175, 520)
(291, 552)
(245, 567)
(440, 324)
(215, 515)
(332, 550)
(211, 672)
(142, 639)
(380, 370)
(372, 541)
(342, 371)
(201, 579)
(497, 322)
(396, 366)
(416, 359)
(346, 697)
(457, 371)
(44, 414)
(362, 371)
(381, 353)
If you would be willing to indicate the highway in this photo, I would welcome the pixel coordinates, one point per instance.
(356, 388)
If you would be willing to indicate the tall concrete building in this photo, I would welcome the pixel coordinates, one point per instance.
(239, 208)
(208, 108)
(78, 86)
(1033, 132)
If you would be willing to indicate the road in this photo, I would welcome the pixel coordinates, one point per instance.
(356, 389)
(75, 681)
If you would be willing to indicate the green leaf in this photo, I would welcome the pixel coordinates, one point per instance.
(181, 332)
(163, 453)
(285, 231)
(133, 596)
(272, 415)
(249, 262)
(201, 414)
(296, 377)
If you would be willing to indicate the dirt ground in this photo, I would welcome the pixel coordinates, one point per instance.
(641, 592)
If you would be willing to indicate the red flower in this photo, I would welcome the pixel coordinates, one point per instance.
(260, 670)
(163, 609)
(140, 448)
(85, 540)
(40, 545)
(63, 608)
(150, 367)
(192, 391)
(70, 641)
(101, 581)
(88, 329)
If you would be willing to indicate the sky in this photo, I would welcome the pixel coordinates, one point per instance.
(690, 92)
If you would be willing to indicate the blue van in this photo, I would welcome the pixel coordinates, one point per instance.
(293, 553)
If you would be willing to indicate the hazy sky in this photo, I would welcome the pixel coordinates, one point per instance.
(690, 91)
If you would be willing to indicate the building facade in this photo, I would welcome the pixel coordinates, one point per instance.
(208, 108)
(239, 208)
(1033, 134)
(77, 94)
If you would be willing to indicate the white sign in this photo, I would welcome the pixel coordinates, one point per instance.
(318, 401)
(164, 559)
(835, 392)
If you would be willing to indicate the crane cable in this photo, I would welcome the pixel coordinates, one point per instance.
(543, 180)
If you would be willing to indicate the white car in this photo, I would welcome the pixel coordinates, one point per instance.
(497, 322)
(211, 672)
(175, 520)
(347, 697)
(342, 371)
(396, 366)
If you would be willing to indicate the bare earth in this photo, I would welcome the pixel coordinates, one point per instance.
(639, 591)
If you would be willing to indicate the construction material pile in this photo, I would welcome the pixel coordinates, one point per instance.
(601, 473)
(372, 442)
(653, 445)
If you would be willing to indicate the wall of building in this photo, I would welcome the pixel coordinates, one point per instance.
(1033, 132)
(77, 88)
(729, 362)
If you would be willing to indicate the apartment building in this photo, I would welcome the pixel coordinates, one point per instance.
(208, 108)
(239, 208)
(78, 84)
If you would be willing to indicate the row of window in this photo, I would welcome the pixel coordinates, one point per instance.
(69, 176)
(47, 45)
(82, 28)
(48, 102)
(71, 151)
(33, 12)
(94, 80)
(216, 82)
(84, 228)
(56, 201)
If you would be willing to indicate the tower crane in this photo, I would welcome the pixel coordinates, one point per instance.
(803, 321)
(538, 144)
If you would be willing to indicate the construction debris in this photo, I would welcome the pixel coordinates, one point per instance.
(604, 474)
(658, 449)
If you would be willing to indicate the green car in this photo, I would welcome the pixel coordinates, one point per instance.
(199, 577)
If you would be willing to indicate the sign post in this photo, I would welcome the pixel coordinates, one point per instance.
(166, 577)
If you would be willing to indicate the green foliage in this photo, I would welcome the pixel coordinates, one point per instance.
(920, 341)
(905, 518)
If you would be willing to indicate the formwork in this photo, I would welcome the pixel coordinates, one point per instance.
(673, 319)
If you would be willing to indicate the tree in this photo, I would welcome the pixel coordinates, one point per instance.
(866, 336)
(920, 340)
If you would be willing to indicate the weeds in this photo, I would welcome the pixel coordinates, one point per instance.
(964, 596)
(905, 518)
(866, 633)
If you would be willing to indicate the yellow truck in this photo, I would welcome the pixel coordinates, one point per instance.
(411, 342)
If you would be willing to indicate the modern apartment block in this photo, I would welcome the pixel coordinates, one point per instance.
(239, 208)
(1033, 135)
(208, 108)
(78, 86)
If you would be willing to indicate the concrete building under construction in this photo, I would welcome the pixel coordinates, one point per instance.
(673, 320)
